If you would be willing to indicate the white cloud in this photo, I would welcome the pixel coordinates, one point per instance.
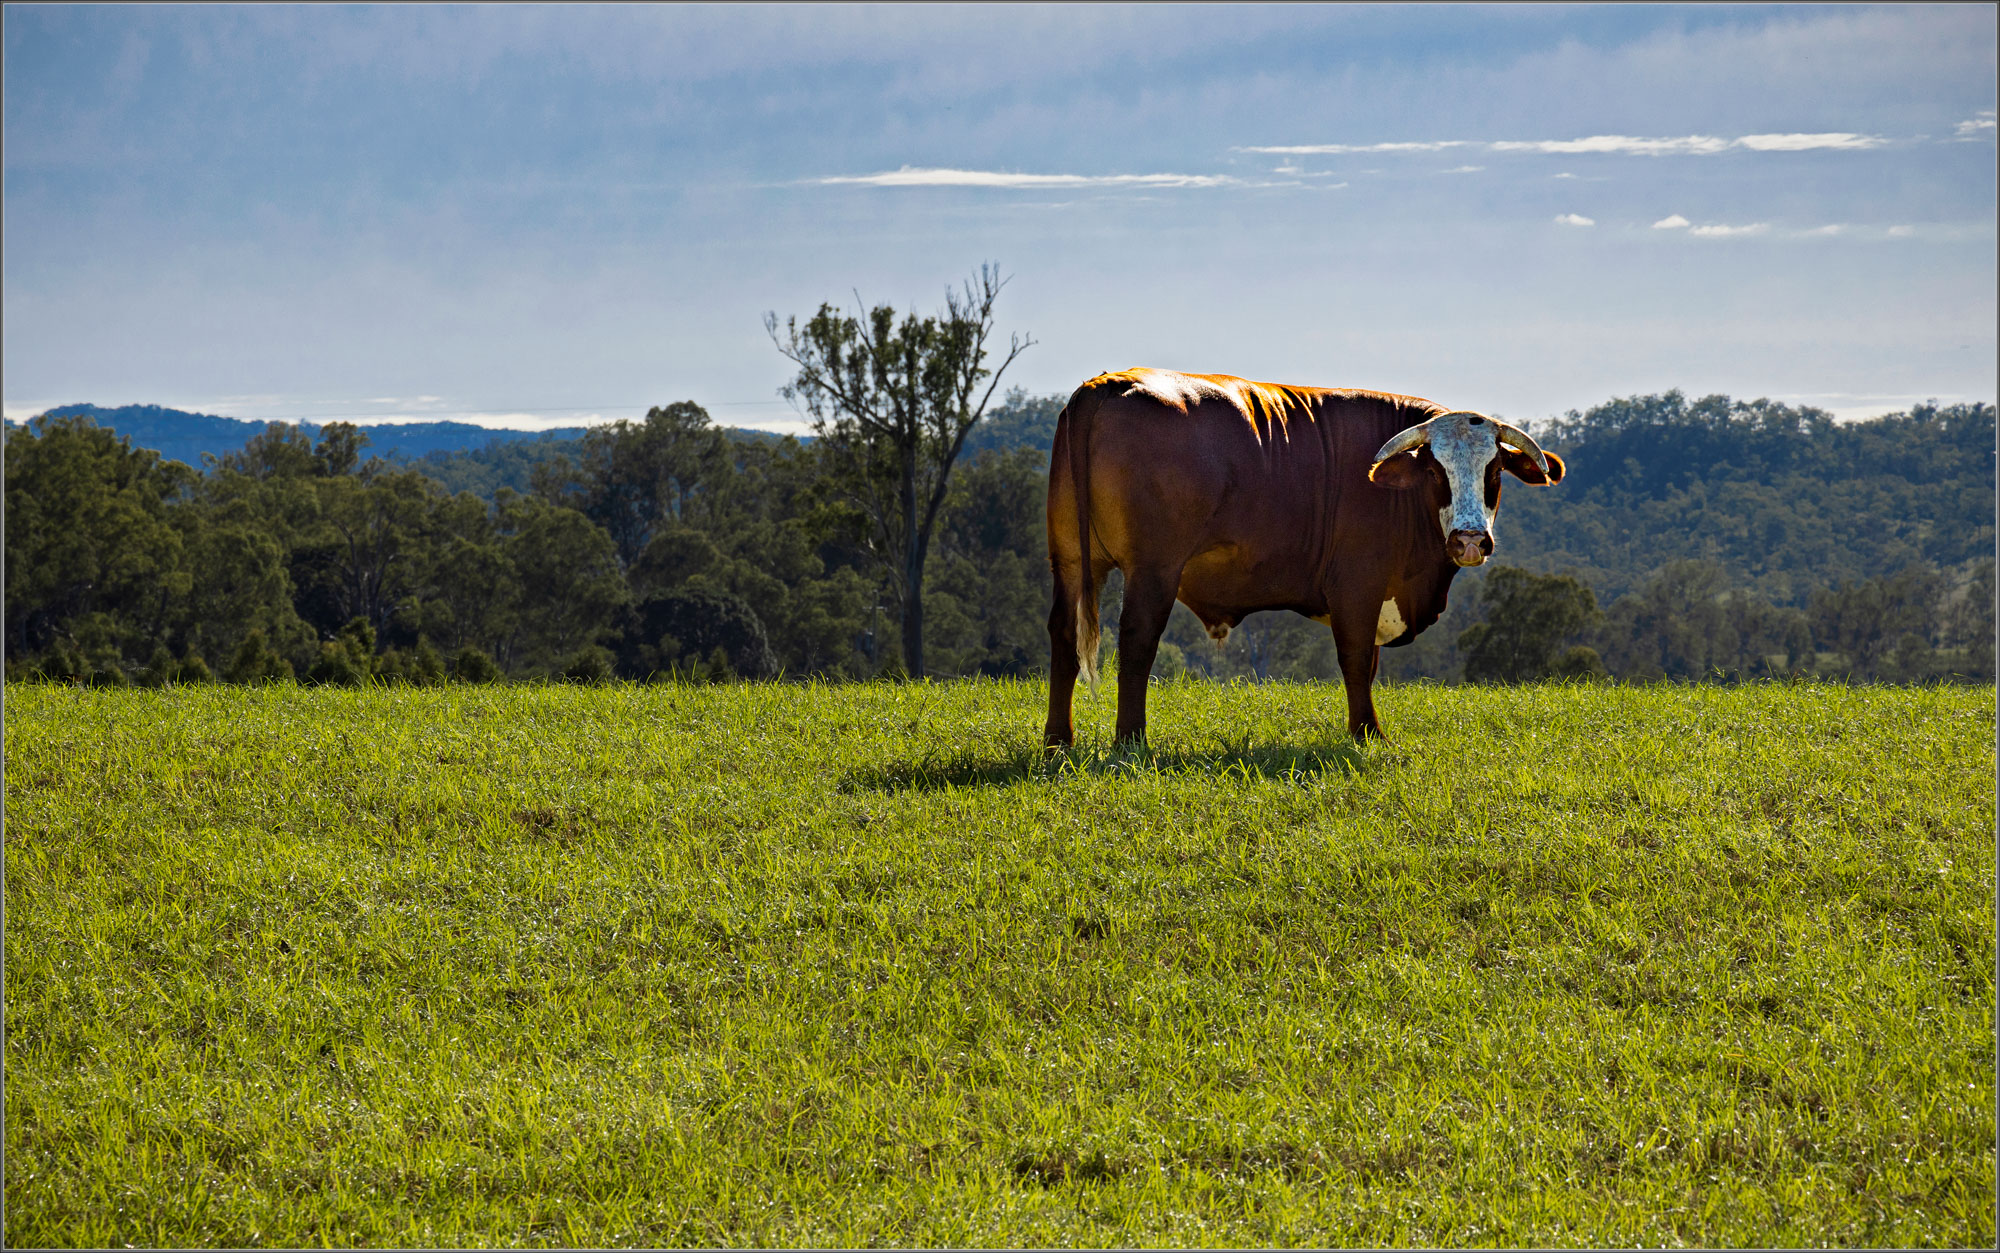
(1574, 219)
(1627, 145)
(1825, 231)
(1807, 143)
(1324, 150)
(1671, 222)
(1700, 144)
(1728, 232)
(1901, 232)
(1980, 123)
(912, 177)
(1564, 174)
(1465, 169)
(1854, 406)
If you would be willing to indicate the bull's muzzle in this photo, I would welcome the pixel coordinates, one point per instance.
(1469, 548)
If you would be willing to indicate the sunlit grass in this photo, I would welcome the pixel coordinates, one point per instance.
(855, 965)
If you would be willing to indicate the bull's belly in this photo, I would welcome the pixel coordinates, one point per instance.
(1221, 601)
(1222, 594)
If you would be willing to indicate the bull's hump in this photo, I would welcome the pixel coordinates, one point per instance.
(1183, 391)
(1270, 406)
(1179, 390)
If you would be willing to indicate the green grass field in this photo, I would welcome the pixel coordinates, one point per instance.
(809, 965)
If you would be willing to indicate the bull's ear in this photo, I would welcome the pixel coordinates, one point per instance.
(1523, 467)
(1404, 470)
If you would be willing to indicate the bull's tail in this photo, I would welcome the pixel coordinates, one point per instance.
(1077, 417)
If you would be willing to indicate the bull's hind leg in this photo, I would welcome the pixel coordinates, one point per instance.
(1149, 600)
(1064, 665)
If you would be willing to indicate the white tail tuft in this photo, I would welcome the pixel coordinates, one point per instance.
(1086, 644)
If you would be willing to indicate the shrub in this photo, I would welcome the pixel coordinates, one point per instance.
(255, 661)
(591, 664)
(348, 659)
(1580, 662)
(472, 665)
(105, 670)
(62, 664)
(426, 665)
(683, 630)
(335, 667)
(160, 668)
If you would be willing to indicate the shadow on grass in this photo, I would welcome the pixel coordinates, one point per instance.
(936, 771)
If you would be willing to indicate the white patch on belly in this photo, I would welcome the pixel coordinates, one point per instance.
(1389, 623)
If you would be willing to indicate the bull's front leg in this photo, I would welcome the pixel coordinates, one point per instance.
(1354, 641)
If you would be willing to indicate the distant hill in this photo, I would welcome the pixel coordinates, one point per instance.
(1785, 499)
(481, 458)
(1017, 420)
(178, 435)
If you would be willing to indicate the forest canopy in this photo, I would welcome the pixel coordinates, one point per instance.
(1694, 539)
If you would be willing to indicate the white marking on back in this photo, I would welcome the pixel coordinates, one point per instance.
(1182, 391)
(1389, 623)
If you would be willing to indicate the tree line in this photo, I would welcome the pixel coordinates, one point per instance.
(1709, 539)
(663, 547)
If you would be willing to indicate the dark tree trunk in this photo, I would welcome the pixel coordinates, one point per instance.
(913, 572)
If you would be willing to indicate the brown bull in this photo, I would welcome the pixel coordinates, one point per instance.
(1354, 508)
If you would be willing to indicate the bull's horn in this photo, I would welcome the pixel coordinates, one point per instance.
(1517, 439)
(1403, 441)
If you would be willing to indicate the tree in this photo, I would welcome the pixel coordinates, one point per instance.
(1687, 623)
(239, 585)
(1673, 627)
(93, 545)
(343, 529)
(1528, 617)
(1969, 623)
(637, 478)
(989, 591)
(1880, 620)
(470, 596)
(373, 522)
(892, 403)
(570, 586)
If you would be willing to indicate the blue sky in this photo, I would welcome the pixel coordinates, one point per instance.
(543, 216)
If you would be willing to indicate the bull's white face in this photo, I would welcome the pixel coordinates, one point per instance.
(1460, 454)
(1465, 445)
